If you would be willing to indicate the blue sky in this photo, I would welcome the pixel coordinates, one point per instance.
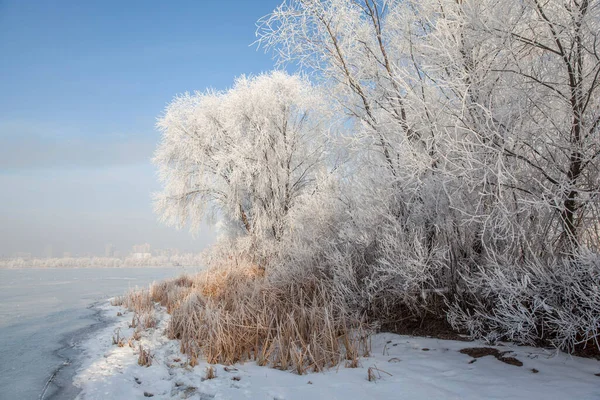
(81, 85)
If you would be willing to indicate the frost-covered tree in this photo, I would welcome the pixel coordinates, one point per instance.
(521, 82)
(246, 154)
(359, 51)
(475, 135)
(351, 46)
(487, 106)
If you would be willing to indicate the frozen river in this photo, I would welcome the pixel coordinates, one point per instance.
(43, 312)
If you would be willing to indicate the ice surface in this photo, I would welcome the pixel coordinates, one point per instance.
(43, 312)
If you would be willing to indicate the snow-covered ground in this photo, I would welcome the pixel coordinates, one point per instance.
(404, 367)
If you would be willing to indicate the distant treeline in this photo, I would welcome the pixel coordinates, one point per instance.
(190, 259)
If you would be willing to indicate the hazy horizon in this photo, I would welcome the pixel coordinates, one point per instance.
(82, 87)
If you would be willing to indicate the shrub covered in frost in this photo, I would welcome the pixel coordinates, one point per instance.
(533, 303)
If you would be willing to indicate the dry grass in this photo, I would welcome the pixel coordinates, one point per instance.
(371, 377)
(193, 360)
(117, 339)
(148, 320)
(144, 357)
(144, 320)
(138, 300)
(134, 321)
(117, 301)
(374, 373)
(231, 315)
(137, 335)
(210, 373)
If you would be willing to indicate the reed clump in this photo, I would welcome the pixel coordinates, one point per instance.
(234, 314)
(144, 357)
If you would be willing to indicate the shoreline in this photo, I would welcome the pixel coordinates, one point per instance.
(59, 385)
(46, 315)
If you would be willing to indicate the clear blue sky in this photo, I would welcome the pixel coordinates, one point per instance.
(81, 85)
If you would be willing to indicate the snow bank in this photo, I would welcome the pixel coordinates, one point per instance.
(403, 367)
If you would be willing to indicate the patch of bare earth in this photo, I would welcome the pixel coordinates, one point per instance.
(427, 326)
(587, 350)
(478, 352)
